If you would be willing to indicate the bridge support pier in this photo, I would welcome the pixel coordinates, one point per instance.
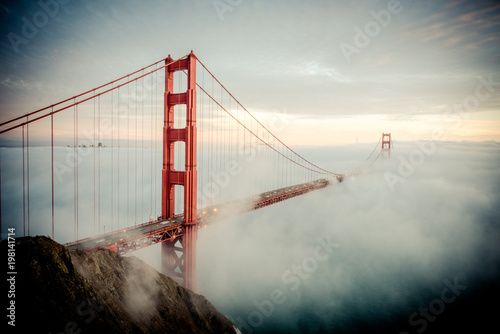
(190, 237)
(172, 259)
(179, 256)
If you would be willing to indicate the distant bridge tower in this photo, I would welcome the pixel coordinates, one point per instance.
(386, 145)
(179, 254)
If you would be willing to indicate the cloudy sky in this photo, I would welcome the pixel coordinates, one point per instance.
(341, 71)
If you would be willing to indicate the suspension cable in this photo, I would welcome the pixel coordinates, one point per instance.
(324, 170)
(265, 143)
(81, 101)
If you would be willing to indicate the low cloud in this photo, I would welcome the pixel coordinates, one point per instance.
(397, 247)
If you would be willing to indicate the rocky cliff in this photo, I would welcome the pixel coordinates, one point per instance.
(58, 290)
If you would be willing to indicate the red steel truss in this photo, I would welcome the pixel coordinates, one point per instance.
(172, 232)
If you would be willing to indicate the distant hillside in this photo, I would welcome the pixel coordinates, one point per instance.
(65, 291)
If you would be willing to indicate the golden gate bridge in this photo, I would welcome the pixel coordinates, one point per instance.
(153, 157)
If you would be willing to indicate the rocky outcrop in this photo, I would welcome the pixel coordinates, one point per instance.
(59, 290)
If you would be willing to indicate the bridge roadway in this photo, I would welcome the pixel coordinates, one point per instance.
(159, 230)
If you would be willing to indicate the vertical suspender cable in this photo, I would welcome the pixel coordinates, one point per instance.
(99, 165)
(52, 163)
(28, 171)
(77, 174)
(156, 142)
(118, 113)
(24, 190)
(93, 151)
(211, 147)
(223, 135)
(135, 169)
(219, 139)
(74, 172)
(112, 159)
(151, 150)
(229, 144)
(142, 153)
(128, 153)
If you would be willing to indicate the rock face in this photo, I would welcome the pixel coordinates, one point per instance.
(59, 290)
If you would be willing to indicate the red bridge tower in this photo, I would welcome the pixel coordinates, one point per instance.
(179, 255)
(386, 145)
